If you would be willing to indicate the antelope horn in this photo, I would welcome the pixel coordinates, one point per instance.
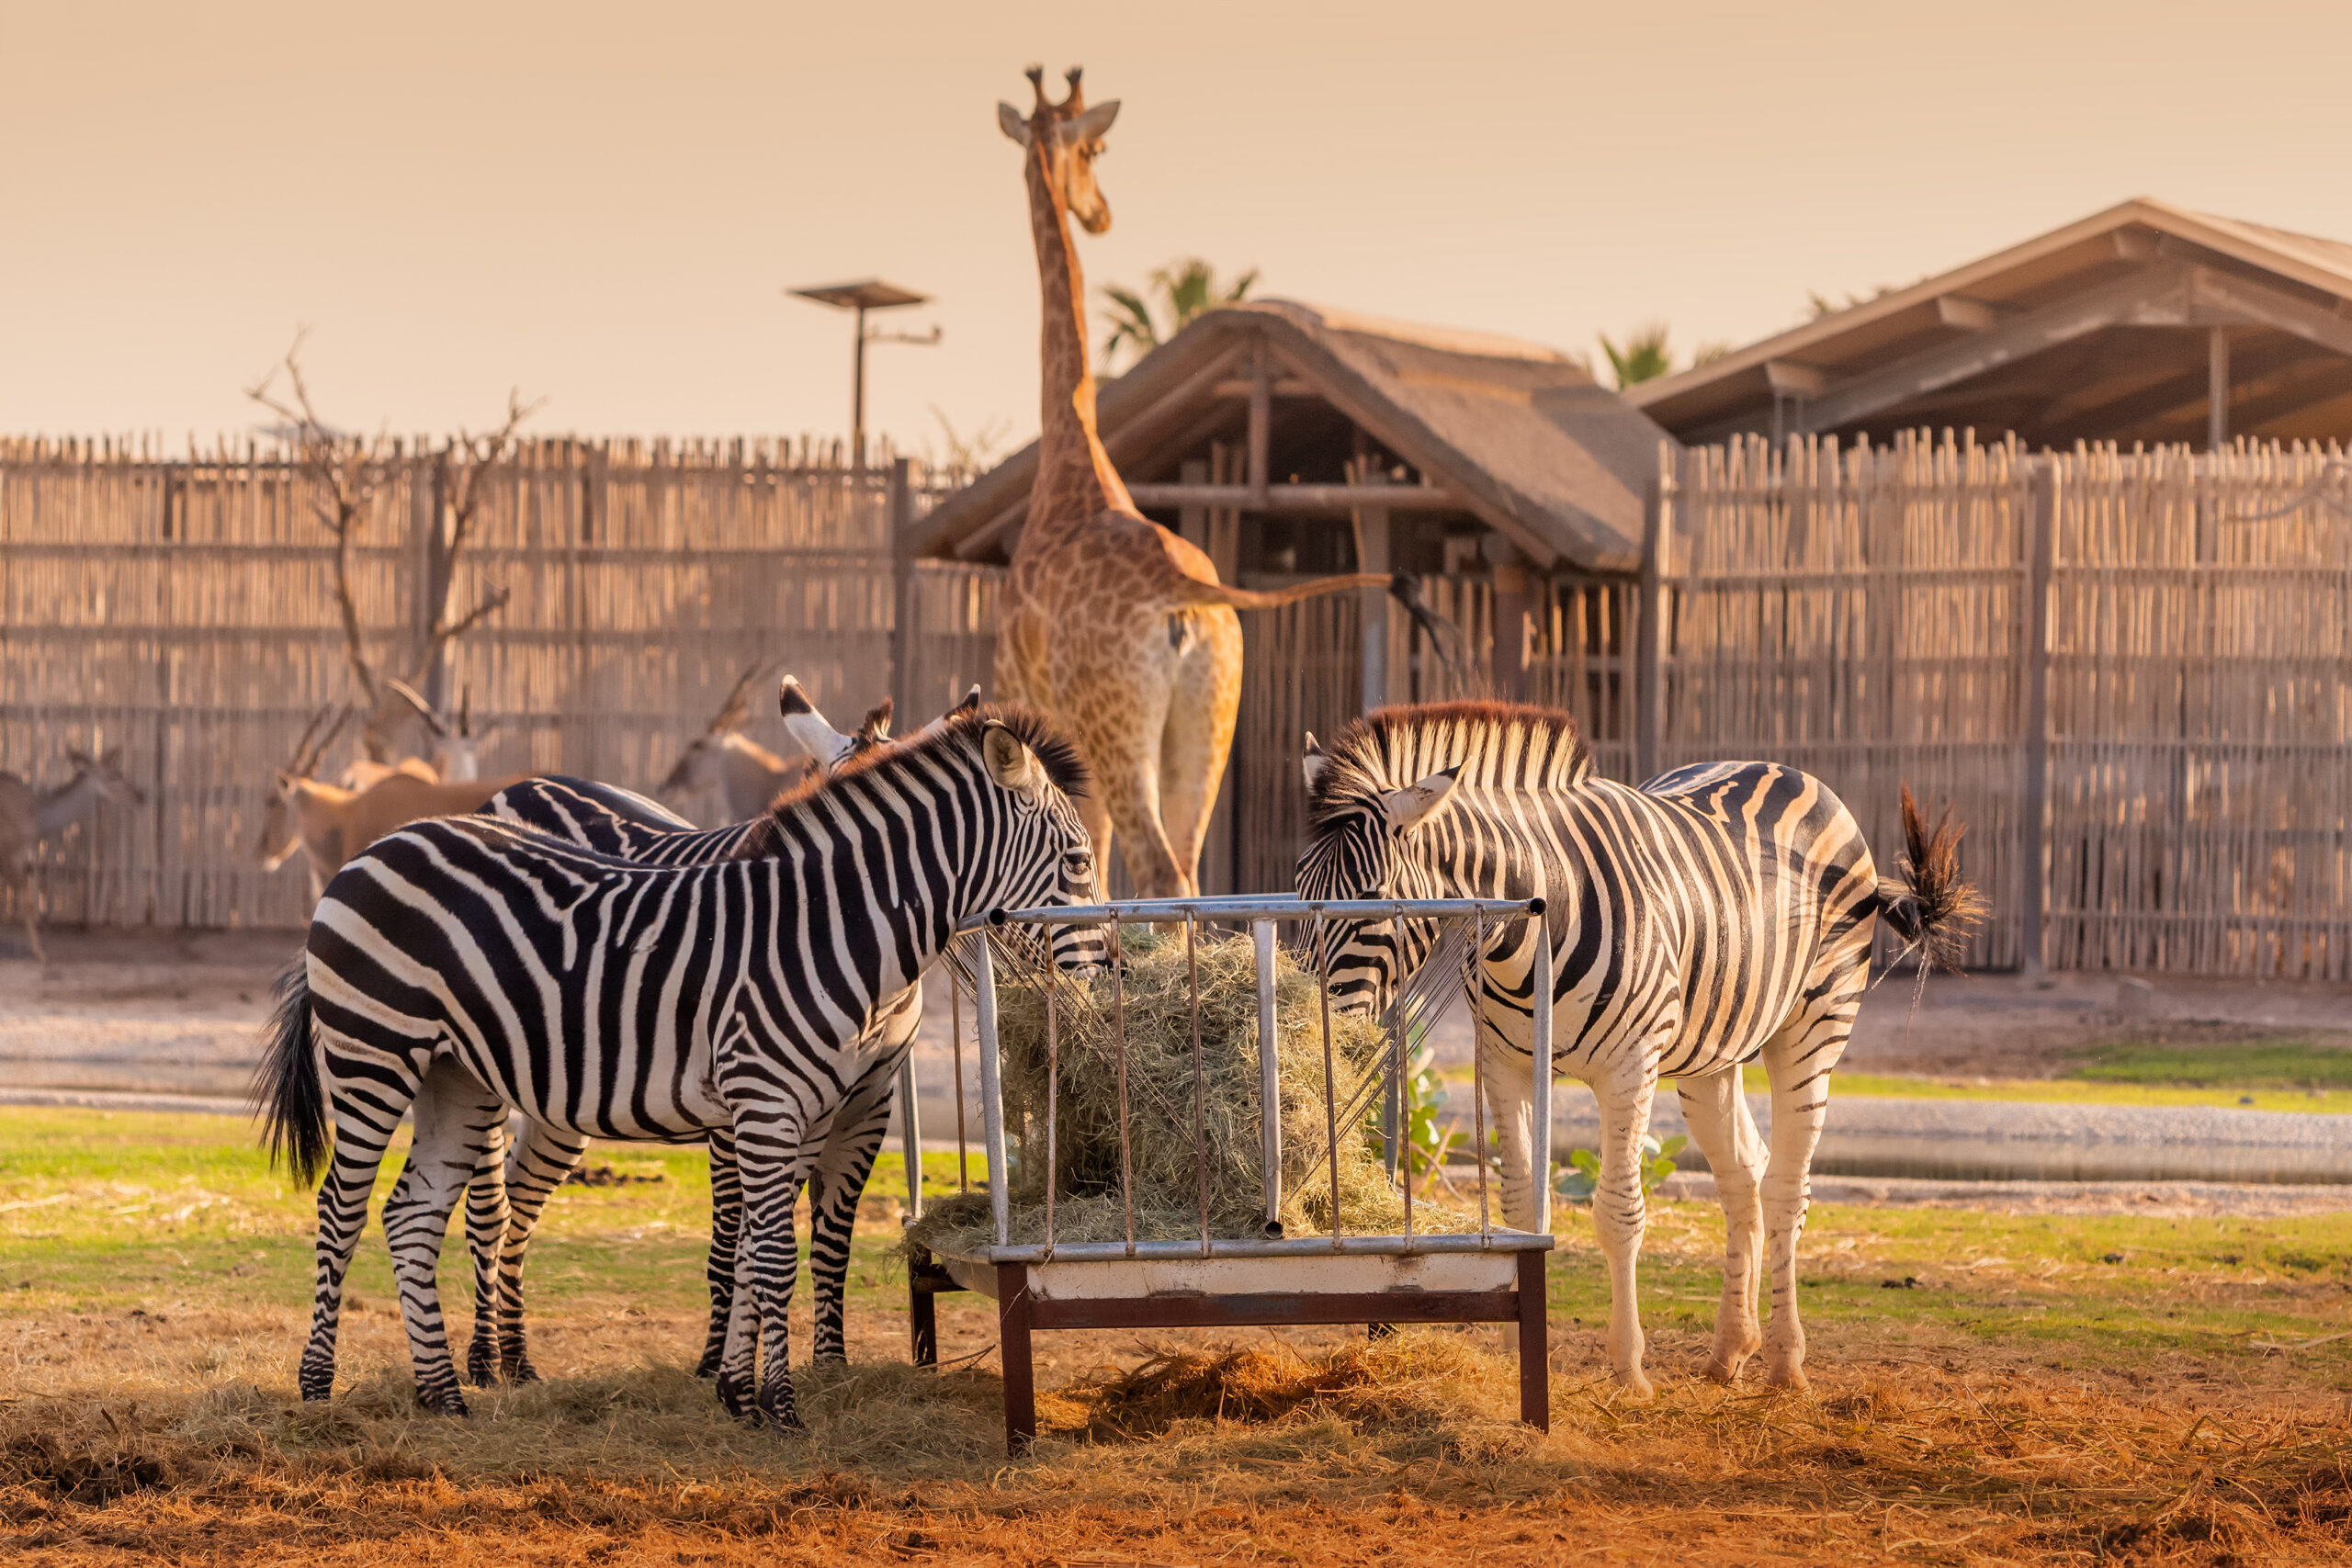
(738, 707)
(409, 695)
(315, 741)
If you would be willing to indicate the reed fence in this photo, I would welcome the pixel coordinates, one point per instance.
(182, 612)
(2130, 672)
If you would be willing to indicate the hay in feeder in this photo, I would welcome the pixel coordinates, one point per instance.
(1160, 1110)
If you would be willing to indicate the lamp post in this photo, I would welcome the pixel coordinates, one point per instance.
(866, 294)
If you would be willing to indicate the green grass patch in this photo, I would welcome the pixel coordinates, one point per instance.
(104, 1210)
(2090, 1291)
(2276, 1064)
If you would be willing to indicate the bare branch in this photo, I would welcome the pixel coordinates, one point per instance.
(490, 605)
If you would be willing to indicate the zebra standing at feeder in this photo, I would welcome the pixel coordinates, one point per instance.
(504, 1206)
(462, 965)
(1717, 915)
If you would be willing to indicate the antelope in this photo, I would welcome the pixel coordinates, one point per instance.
(29, 814)
(330, 824)
(746, 775)
(456, 750)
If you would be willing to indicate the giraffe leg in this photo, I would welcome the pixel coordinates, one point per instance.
(1716, 1109)
(1118, 722)
(1198, 735)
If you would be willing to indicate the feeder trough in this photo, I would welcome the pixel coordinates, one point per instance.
(1489, 1275)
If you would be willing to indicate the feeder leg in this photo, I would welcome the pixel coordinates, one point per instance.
(1535, 1345)
(1012, 1348)
(922, 1320)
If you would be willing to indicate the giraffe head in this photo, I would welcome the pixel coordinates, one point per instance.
(1068, 137)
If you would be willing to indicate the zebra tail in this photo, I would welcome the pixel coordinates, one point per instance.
(286, 1090)
(1928, 905)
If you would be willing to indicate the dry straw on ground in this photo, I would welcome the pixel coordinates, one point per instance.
(1354, 1453)
(1156, 998)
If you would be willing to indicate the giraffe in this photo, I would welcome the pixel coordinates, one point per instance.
(1110, 623)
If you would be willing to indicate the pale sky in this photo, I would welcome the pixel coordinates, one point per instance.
(601, 204)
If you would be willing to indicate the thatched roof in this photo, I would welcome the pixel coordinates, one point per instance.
(1520, 433)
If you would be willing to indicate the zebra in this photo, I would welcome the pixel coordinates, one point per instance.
(1717, 915)
(504, 1206)
(463, 965)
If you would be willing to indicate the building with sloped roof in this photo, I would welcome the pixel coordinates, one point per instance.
(1296, 418)
(2147, 324)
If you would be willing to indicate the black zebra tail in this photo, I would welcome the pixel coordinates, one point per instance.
(286, 1090)
(1928, 905)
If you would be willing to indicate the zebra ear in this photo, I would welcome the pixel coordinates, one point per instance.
(808, 727)
(1408, 808)
(1011, 764)
(1314, 760)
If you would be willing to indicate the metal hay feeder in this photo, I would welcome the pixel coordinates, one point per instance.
(1494, 1274)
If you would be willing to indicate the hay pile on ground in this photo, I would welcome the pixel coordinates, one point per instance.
(1160, 1114)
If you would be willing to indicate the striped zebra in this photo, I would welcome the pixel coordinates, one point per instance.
(462, 965)
(1717, 915)
(509, 1194)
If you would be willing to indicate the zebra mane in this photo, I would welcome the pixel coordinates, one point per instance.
(957, 734)
(1496, 745)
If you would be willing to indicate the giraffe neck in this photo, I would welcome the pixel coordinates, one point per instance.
(1075, 480)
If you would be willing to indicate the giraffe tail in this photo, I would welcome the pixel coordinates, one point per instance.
(1442, 632)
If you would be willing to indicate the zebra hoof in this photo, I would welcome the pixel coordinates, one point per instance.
(778, 1409)
(708, 1365)
(443, 1401)
(482, 1366)
(734, 1396)
(519, 1371)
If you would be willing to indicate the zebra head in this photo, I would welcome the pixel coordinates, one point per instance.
(1045, 855)
(1364, 842)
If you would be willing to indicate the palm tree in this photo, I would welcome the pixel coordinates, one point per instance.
(1644, 356)
(1186, 287)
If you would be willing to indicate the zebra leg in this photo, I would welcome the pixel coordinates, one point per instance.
(1716, 1108)
(454, 1119)
(773, 1156)
(835, 1185)
(1799, 1058)
(368, 1096)
(486, 1213)
(725, 1238)
(1510, 1105)
(1619, 1210)
(542, 1160)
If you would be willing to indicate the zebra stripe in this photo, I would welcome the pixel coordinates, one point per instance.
(1716, 915)
(462, 964)
(504, 1206)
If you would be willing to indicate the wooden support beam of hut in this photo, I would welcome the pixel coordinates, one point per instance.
(1296, 498)
(2154, 296)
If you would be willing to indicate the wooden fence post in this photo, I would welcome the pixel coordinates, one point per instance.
(1650, 627)
(2034, 791)
(902, 593)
